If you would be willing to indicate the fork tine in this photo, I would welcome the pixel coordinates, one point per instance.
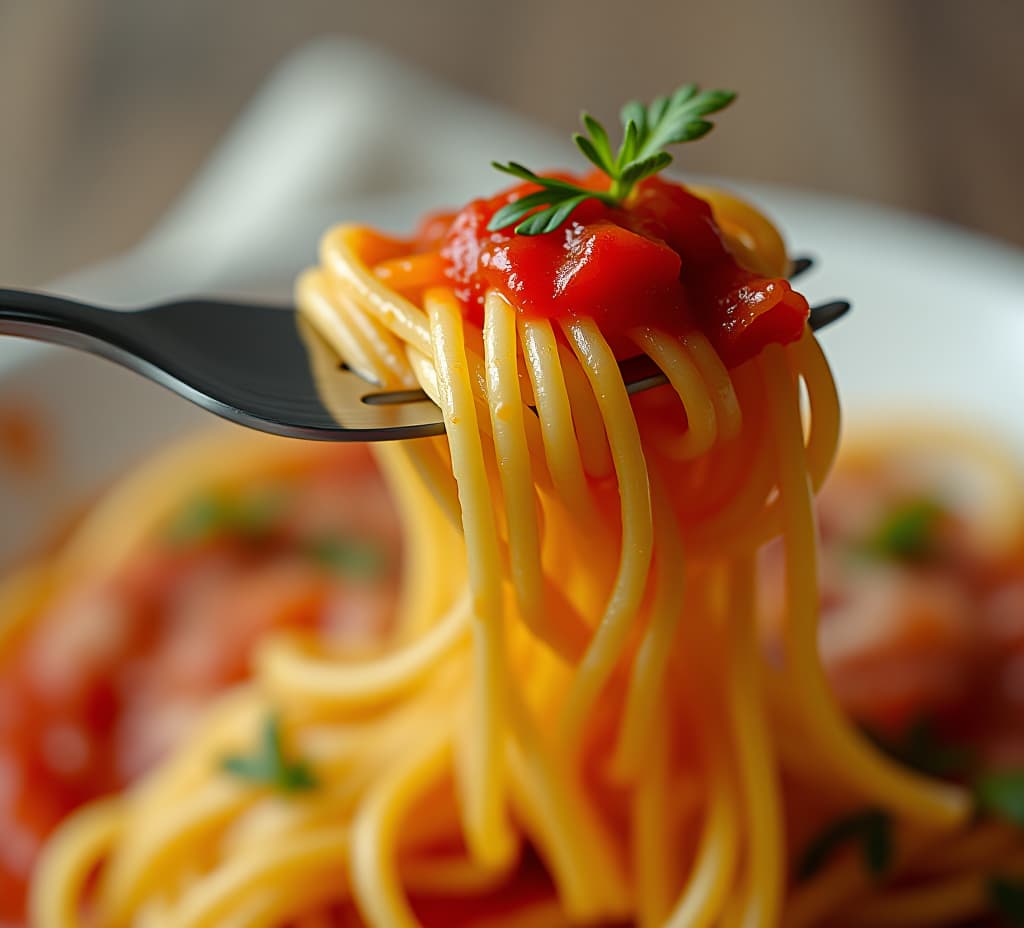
(826, 313)
(799, 265)
(639, 373)
(356, 404)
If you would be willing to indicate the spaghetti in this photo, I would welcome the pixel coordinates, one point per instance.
(575, 718)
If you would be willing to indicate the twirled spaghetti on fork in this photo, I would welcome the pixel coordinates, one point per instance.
(574, 718)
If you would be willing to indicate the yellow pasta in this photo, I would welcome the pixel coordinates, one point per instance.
(575, 706)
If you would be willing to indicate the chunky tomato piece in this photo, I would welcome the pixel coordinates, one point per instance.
(741, 313)
(659, 260)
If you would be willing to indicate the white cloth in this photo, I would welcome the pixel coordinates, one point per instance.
(339, 130)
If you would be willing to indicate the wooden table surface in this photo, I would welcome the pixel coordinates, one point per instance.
(108, 106)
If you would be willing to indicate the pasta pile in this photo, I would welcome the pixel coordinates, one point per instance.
(577, 715)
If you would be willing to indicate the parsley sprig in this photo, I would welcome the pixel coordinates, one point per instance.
(1007, 897)
(349, 557)
(924, 747)
(647, 130)
(1001, 793)
(269, 766)
(909, 531)
(211, 516)
(868, 829)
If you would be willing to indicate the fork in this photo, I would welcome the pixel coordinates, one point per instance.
(249, 363)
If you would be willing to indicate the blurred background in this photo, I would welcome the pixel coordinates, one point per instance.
(109, 107)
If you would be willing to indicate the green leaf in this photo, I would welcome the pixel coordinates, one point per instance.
(646, 131)
(512, 212)
(248, 768)
(922, 747)
(350, 557)
(656, 111)
(214, 515)
(254, 515)
(1002, 794)
(877, 843)
(549, 183)
(560, 198)
(267, 765)
(634, 112)
(667, 121)
(870, 829)
(627, 152)
(591, 153)
(680, 121)
(199, 520)
(296, 778)
(598, 142)
(684, 94)
(908, 531)
(516, 170)
(711, 101)
(550, 219)
(1007, 898)
(694, 130)
(636, 171)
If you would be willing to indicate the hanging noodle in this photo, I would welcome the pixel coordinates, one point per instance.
(577, 666)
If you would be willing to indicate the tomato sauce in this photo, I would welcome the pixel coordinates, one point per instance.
(114, 671)
(659, 260)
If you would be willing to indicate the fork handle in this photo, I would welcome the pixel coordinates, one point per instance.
(44, 308)
(48, 318)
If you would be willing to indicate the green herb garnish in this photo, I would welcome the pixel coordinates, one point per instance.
(908, 531)
(349, 557)
(923, 748)
(198, 521)
(870, 829)
(1002, 794)
(268, 766)
(1007, 898)
(215, 515)
(647, 130)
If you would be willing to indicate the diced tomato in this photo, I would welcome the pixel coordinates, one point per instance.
(659, 260)
(741, 312)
